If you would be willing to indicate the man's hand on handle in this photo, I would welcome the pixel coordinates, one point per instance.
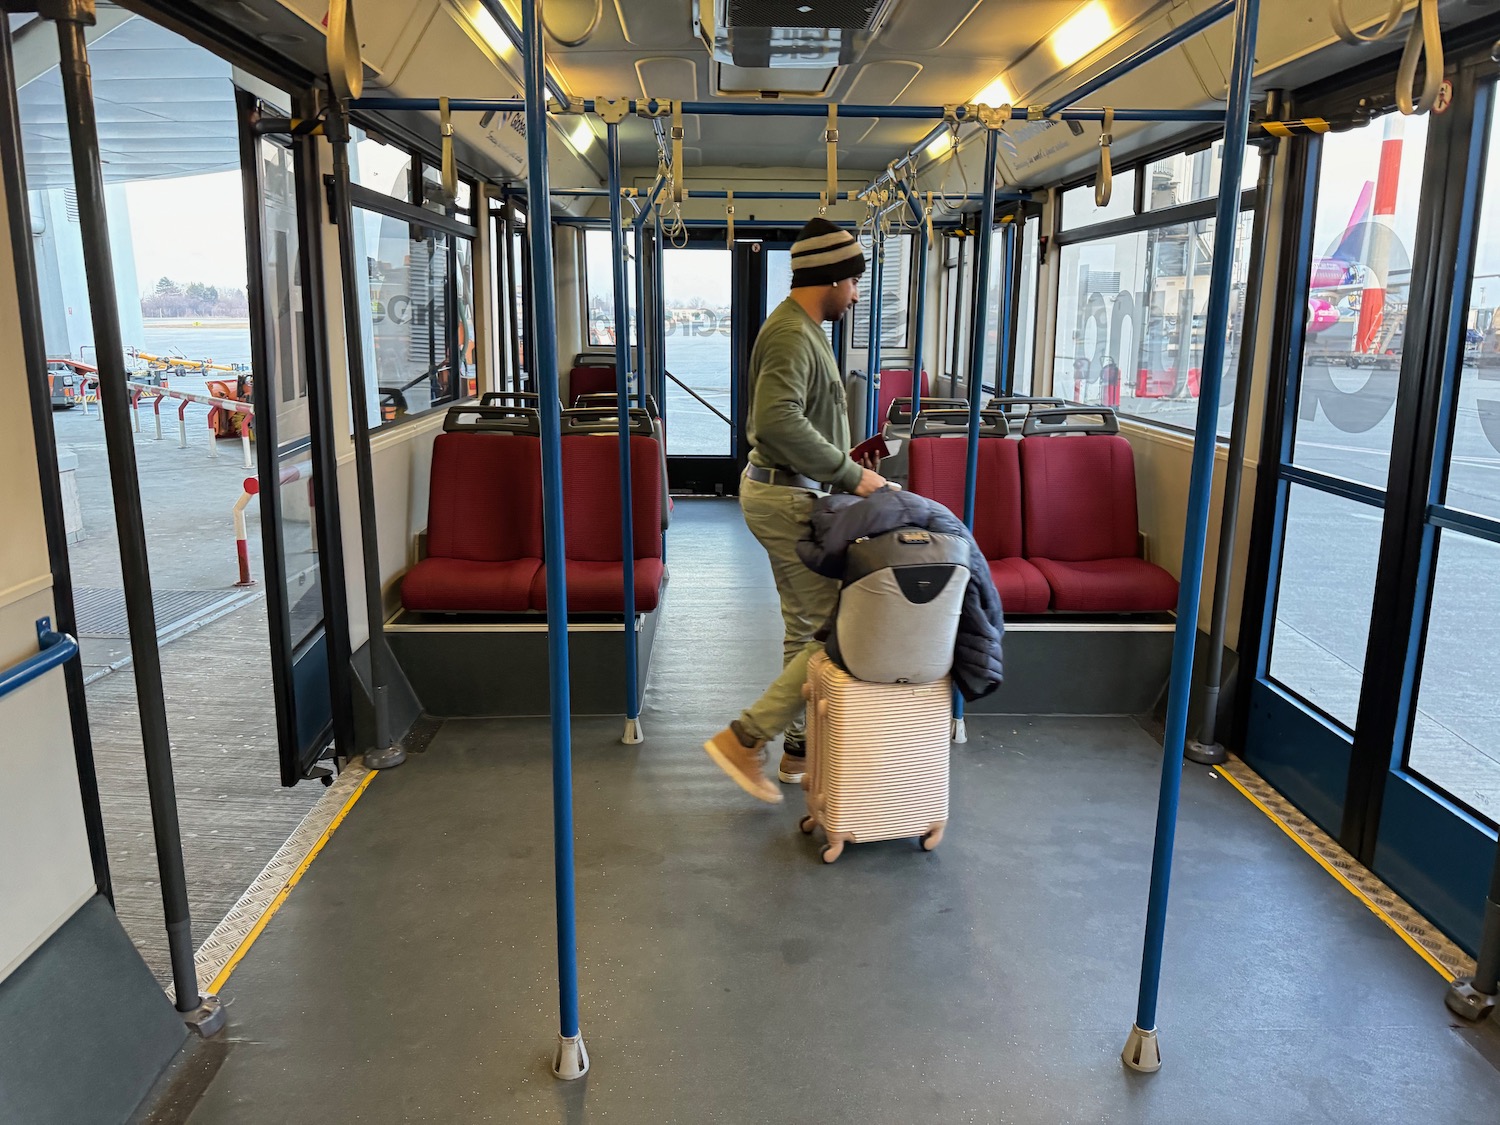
(869, 483)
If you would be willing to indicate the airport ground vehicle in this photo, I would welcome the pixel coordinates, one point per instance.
(680, 160)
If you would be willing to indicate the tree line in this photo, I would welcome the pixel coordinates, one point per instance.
(194, 299)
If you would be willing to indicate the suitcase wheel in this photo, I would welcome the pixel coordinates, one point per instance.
(832, 850)
(807, 825)
(933, 837)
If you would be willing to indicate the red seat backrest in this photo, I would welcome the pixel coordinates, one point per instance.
(937, 468)
(590, 381)
(896, 383)
(1079, 494)
(591, 496)
(485, 498)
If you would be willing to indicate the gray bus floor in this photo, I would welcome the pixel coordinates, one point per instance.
(728, 975)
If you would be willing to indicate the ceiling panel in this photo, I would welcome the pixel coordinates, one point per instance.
(668, 76)
(927, 26)
(881, 83)
(656, 24)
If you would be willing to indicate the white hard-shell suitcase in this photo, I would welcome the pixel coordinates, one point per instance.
(877, 758)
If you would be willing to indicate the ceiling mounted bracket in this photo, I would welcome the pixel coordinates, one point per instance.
(612, 111)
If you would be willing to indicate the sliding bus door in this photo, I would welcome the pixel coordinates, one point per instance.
(1372, 699)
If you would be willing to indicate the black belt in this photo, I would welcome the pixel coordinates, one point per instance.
(784, 477)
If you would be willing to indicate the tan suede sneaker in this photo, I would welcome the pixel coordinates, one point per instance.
(745, 764)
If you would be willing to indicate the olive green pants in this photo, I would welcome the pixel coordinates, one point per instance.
(778, 517)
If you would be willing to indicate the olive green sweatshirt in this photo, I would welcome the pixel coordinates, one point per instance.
(798, 416)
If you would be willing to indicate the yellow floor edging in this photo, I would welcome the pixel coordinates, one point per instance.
(264, 919)
(1374, 907)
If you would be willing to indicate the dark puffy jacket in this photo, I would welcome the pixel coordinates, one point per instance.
(840, 519)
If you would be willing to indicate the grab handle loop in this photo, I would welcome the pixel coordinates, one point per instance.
(450, 165)
(729, 214)
(346, 72)
(1104, 186)
(831, 136)
(677, 192)
(1424, 37)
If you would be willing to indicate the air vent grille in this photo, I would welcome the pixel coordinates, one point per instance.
(845, 15)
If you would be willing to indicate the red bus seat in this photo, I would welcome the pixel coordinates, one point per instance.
(1081, 528)
(590, 381)
(484, 537)
(591, 524)
(896, 383)
(937, 471)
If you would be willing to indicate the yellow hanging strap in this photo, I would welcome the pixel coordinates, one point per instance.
(729, 214)
(831, 135)
(677, 192)
(450, 165)
(822, 203)
(1425, 35)
(931, 234)
(1104, 185)
(346, 73)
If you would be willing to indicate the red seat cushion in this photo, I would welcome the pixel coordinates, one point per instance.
(1109, 585)
(484, 525)
(1079, 497)
(590, 381)
(437, 585)
(937, 468)
(1021, 586)
(896, 383)
(599, 587)
(591, 524)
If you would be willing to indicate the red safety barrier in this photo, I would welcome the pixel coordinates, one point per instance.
(289, 473)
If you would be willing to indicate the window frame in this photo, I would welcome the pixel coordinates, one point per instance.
(1138, 222)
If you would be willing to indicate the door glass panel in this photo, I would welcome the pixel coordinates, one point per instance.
(1456, 738)
(288, 373)
(1323, 600)
(1474, 469)
(698, 287)
(1368, 194)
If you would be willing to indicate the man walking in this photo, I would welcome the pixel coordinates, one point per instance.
(799, 437)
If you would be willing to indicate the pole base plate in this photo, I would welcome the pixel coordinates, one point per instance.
(389, 758)
(572, 1058)
(207, 1019)
(633, 735)
(1142, 1052)
(1467, 1002)
(1206, 754)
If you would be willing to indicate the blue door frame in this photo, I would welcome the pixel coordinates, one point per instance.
(1355, 782)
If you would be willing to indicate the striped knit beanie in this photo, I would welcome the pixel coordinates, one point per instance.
(824, 254)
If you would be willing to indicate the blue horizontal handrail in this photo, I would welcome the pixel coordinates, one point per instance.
(55, 650)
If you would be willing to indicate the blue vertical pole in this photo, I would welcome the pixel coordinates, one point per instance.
(571, 1060)
(872, 353)
(622, 405)
(977, 325)
(1141, 1049)
(920, 338)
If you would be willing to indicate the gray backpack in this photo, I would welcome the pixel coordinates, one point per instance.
(897, 617)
